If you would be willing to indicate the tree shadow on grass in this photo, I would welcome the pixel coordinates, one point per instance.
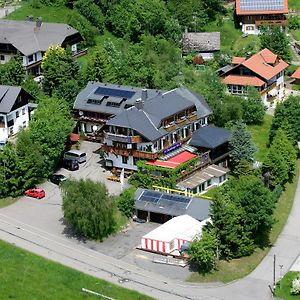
(71, 233)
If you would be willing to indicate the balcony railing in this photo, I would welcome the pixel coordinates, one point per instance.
(170, 127)
(192, 117)
(268, 89)
(181, 122)
(128, 152)
(271, 22)
(123, 138)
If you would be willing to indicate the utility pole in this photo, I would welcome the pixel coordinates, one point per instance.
(274, 272)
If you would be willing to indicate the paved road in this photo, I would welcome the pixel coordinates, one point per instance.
(35, 234)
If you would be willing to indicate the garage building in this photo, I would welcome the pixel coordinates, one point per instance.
(160, 207)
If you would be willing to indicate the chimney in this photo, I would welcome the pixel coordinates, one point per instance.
(144, 95)
(39, 22)
(139, 104)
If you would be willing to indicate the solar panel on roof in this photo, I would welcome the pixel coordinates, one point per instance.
(256, 5)
(176, 198)
(150, 196)
(114, 92)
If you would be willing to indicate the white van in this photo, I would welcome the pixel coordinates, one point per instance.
(75, 155)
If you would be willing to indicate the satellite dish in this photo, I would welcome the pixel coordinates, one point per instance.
(241, 24)
(95, 127)
(80, 113)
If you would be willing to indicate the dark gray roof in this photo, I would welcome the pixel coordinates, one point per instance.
(210, 137)
(224, 70)
(147, 121)
(26, 38)
(197, 208)
(8, 97)
(83, 99)
(200, 42)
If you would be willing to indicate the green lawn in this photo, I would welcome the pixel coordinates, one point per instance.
(7, 201)
(239, 268)
(296, 34)
(48, 13)
(294, 4)
(283, 288)
(27, 276)
(260, 135)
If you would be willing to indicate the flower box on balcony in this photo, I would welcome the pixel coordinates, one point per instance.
(170, 127)
(192, 117)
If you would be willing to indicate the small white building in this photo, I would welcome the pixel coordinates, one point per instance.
(173, 234)
(14, 110)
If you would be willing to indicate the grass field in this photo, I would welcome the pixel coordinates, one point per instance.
(48, 13)
(238, 268)
(27, 276)
(7, 201)
(294, 4)
(260, 135)
(283, 288)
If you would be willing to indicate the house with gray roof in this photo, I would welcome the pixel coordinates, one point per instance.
(15, 110)
(98, 102)
(153, 125)
(205, 44)
(32, 38)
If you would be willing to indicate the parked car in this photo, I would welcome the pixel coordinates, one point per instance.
(76, 155)
(70, 164)
(35, 193)
(57, 178)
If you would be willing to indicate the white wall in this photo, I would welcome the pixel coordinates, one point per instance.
(36, 57)
(117, 161)
(19, 122)
(247, 31)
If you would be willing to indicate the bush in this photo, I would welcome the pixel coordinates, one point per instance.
(125, 202)
(295, 290)
(88, 207)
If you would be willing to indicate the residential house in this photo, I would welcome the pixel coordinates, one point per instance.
(254, 13)
(263, 70)
(205, 44)
(15, 110)
(296, 76)
(31, 39)
(98, 102)
(155, 127)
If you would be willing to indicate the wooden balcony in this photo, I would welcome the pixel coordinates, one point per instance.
(123, 138)
(268, 89)
(170, 128)
(181, 122)
(192, 117)
(144, 155)
(271, 22)
(128, 152)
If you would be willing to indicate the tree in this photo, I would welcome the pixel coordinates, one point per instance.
(227, 218)
(13, 72)
(88, 208)
(58, 67)
(241, 145)
(287, 115)
(68, 91)
(257, 204)
(125, 202)
(99, 68)
(273, 38)
(91, 12)
(253, 107)
(203, 250)
(281, 160)
(50, 127)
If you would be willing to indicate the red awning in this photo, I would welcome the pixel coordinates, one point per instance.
(175, 161)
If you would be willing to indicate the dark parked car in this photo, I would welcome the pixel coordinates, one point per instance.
(35, 193)
(70, 164)
(57, 178)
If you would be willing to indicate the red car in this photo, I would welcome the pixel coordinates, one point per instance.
(35, 193)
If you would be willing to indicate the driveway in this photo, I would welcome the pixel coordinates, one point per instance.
(36, 225)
